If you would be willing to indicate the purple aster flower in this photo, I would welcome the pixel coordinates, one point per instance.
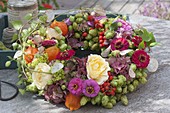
(47, 43)
(75, 86)
(119, 44)
(90, 88)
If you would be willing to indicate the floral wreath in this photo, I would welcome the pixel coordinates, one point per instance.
(49, 65)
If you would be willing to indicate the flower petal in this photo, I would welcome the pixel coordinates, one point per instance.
(56, 67)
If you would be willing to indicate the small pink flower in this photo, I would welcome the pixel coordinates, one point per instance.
(140, 58)
(66, 55)
(46, 43)
(119, 44)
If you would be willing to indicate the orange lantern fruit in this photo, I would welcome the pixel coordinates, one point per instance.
(52, 52)
(61, 25)
(29, 54)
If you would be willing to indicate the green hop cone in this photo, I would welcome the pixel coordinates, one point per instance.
(124, 100)
(79, 15)
(94, 46)
(79, 20)
(75, 26)
(118, 96)
(133, 66)
(144, 74)
(91, 43)
(113, 101)
(8, 63)
(109, 34)
(135, 83)
(138, 74)
(70, 28)
(120, 82)
(115, 53)
(119, 89)
(143, 80)
(77, 35)
(96, 39)
(122, 77)
(109, 105)
(88, 37)
(84, 101)
(72, 18)
(125, 90)
(105, 100)
(93, 32)
(131, 88)
(113, 83)
(98, 99)
(93, 101)
(86, 44)
(63, 47)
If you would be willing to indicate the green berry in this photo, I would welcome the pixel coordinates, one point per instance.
(8, 63)
(79, 20)
(119, 24)
(105, 100)
(72, 18)
(109, 105)
(75, 26)
(93, 32)
(113, 101)
(131, 88)
(113, 83)
(115, 53)
(63, 87)
(79, 15)
(83, 101)
(88, 37)
(86, 44)
(70, 28)
(77, 35)
(143, 80)
(133, 66)
(109, 34)
(94, 46)
(119, 89)
(91, 43)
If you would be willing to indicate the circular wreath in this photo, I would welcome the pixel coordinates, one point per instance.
(87, 57)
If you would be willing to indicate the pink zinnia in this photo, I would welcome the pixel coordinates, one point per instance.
(75, 86)
(137, 40)
(66, 55)
(119, 44)
(140, 58)
(90, 88)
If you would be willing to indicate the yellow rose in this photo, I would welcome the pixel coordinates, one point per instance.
(97, 68)
(40, 79)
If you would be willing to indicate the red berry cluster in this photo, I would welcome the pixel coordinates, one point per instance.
(102, 39)
(106, 88)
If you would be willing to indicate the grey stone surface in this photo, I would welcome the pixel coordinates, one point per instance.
(153, 97)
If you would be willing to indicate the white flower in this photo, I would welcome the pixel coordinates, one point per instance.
(97, 68)
(40, 79)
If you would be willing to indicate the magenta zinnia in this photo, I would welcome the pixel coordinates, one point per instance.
(90, 88)
(140, 58)
(119, 44)
(66, 55)
(137, 40)
(75, 86)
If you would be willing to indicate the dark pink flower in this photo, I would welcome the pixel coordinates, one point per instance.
(47, 43)
(119, 44)
(140, 58)
(137, 40)
(66, 55)
(90, 88)
(75, 86)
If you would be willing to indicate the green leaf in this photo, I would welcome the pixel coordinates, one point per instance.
(146, 36)
(20, 82)
(114, 26)
(10, 57)
(17, 24)
(22, 91)
(141, 45)
(28, 16)
(154, 44)
(14, 37)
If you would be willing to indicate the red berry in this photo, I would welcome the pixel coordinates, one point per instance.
(104, 38)
(109, 73)
(101, 41)
(101, 33)
(108, 84)
(107, 88)
(105, 84)
(84, 34)
(100, 37)
(112, 93)
(90, 18)
(114, 89)
(96, 21)
(110, 78)
(102, 89)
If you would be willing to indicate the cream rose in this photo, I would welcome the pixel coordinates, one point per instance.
(97, 68)
(40, 79)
